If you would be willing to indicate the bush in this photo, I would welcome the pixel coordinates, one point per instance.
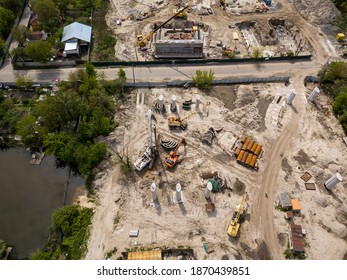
(203, 79)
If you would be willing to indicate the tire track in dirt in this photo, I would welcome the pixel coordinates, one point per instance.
(265, 205)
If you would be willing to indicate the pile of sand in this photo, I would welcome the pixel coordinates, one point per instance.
(317, 11)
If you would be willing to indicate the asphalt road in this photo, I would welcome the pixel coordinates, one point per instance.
(170, 73)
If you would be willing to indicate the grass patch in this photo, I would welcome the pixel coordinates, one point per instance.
(280, 208)
(110, 253)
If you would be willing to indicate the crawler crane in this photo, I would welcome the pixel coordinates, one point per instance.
(181, 12)
(142, 41)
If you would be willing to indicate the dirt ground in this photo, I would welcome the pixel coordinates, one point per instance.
(304, 137)
(138, 17)
(298, 138)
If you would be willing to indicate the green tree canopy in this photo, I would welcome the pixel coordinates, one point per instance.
(256, 53)
(2, 248)
(6, 21)
(20, 34)
(334, 71)
(73, 222)
(13, 5)
(60, 111)
(24, 81)
(340, 103)
(39, 51)
(3, 47)
(48, 13)
(203, 79)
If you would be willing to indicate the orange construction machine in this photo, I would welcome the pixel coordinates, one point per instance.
(171, 160)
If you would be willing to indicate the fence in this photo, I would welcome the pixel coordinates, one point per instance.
(215, 82)
(166, 62)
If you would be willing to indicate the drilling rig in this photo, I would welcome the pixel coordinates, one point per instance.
(149, 152)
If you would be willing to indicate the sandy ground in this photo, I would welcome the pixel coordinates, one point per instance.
(138, 18)
(286, 132)
(298, 138)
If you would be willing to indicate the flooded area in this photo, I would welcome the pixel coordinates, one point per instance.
(28, 196)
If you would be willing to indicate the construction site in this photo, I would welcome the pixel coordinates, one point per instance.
(202, 164)
(248, 171)
(205, 29)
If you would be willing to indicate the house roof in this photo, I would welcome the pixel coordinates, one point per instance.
(295, 205)
(284, 200)
(296, 238)
(145, 255)
(33, 36)
(77, 31)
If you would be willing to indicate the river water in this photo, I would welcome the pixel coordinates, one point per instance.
(28, 196)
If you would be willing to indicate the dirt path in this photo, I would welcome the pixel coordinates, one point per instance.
(265, 205)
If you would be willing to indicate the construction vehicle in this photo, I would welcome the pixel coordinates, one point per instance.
(176, 122)
(148, 154)
(181, 12)
(171, 160)
(234, 223)
(142, 41)
(340, 36)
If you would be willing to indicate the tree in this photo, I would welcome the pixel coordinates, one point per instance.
(334, 71)
(39, 51)
(60, 111)
(340, 103)
(20, 34)
(30, 132)
(3, 248)
(121, 75)
(12, 5)
(48, 13)
(6, 21)
(203, 79)
(256, 53)
(3, 47)
(24, 81)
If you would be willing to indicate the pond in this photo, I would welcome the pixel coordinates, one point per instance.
(28, 196)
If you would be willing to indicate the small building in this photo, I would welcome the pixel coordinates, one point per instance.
(296, 238)
(235, 35)
(296, 207)
(284, 200)
(179, 49)
(76, 35)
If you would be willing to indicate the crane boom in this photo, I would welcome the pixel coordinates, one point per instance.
(234, 223)
(144, 40)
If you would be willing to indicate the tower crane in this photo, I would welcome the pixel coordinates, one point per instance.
(142, 41)
(171, 160)
(234, 223)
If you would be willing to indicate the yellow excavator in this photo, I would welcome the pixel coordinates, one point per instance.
(181, 12)
(234, 225)
(142, 41)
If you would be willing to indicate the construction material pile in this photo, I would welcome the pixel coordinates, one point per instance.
(208, 136)
(247, 152)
